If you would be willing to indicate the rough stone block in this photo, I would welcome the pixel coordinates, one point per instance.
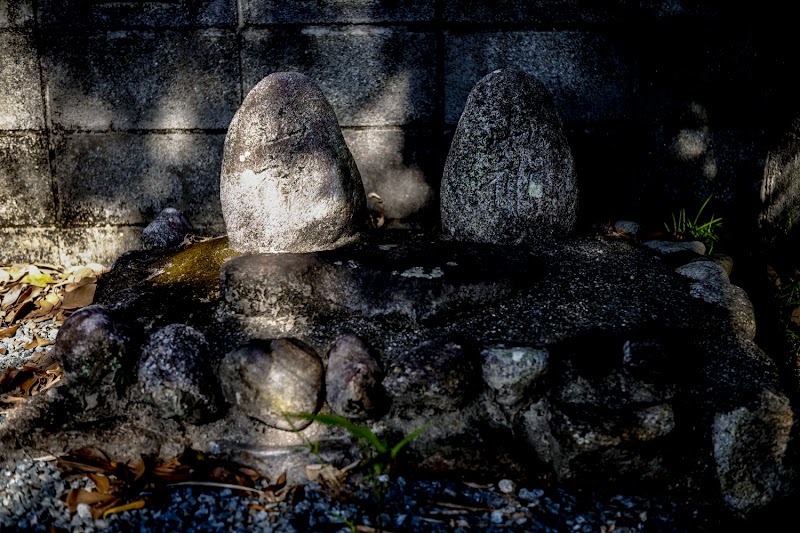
(351, 11)
(587, 73)
(15, 13)
(547, 13)
(371, 76)
(136, 13)
(80, 246)
(24, 245)
(121, 178)
(142, 80)
(20, 90)
(403, 167)
(26, 194)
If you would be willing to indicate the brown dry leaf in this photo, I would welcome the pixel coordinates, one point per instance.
(77, 272)
(44, 308)
(29, 295)
(102, 483)
(80, 297)
(31, 345)
(327, 474)
(43, 360)
(9, 331)
(7, 377)
(97, 268)
(796, 315)
(20, 312)
(137, 467)
(43, 342)
(138, 504)
(77, 496)
(86, 460)
(171, 472)
(17, 272)
(5, 277)
(10, 298)
(3, 351)
(27, 384)
(49, 266)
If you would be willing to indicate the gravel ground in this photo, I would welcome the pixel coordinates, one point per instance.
(30, 489)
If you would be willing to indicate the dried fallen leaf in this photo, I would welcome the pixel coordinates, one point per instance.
(10, 298)
(796, 315)
(137, 467)
(76, 497)
(9, 331)
(327, 474)
(101, 482)
(37, 277)
(80, 297)
(86, 460)
(45, 308)
(20, 312)
(138, 504)
(40, 342)
(16, 272)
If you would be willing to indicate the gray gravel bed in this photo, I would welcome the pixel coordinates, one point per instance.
(30, 490)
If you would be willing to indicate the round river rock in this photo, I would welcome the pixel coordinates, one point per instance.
(273, 380)
(289, 183)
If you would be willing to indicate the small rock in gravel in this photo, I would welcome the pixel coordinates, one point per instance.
(506, 486)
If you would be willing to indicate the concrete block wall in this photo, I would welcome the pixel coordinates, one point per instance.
(111, 111)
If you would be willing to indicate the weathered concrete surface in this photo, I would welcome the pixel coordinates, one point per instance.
(587, 85)
(538, 12)
(79, 246)
(398, 165)
(15, 13)
(100, 81)
(348, 11)
(91, 14)
(25, 186)
(123, 178)
(23, 245)
(393, 69)
(21, 104)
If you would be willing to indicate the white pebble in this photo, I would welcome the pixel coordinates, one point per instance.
(506, 486)
(84, 511)
(497, 517)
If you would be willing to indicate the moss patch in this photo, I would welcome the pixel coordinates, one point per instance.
(195, 267)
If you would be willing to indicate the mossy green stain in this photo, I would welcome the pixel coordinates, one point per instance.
(197, 266)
